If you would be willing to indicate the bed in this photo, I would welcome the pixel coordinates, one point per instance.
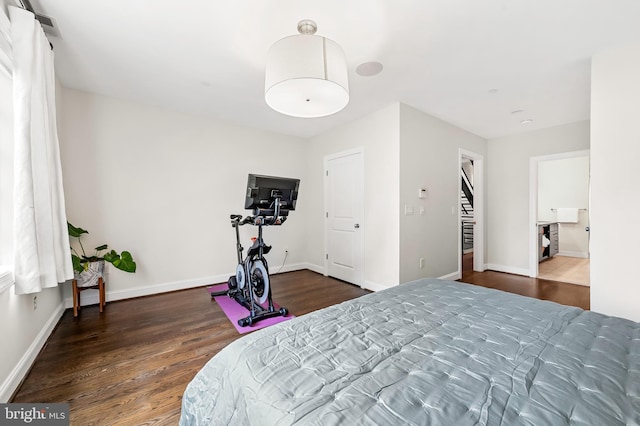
(430, 352)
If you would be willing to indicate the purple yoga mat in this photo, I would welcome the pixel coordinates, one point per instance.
(234, 311)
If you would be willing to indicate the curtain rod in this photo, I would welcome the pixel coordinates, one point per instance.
(26, 5)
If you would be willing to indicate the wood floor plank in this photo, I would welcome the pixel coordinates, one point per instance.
(566, 269)
(131, 364)
(555, 291)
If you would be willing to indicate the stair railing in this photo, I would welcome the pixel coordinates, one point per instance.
(467, 188)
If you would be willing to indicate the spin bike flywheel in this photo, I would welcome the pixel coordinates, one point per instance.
(260, 282)
(240, 276)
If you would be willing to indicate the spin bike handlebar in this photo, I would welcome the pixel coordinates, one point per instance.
(237, 220)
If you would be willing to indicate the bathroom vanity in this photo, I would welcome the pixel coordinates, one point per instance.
(547, 240)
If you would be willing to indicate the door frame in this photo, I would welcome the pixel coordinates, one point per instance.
(354, 151)
(534, 163)
(478, 210)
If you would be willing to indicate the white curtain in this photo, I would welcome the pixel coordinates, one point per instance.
(41, 242)
(5, 44)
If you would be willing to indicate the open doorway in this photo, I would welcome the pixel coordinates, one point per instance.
(470, 229)
(467, 216)
(560, 200)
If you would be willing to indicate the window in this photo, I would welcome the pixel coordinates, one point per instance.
(6, 156)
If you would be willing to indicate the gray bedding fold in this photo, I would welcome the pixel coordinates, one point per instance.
(431, 352)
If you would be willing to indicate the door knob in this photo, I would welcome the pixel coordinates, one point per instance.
(357, 225)
(587, 229)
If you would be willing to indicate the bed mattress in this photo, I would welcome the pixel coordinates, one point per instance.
(430, 352)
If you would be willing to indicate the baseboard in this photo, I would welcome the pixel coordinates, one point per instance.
(20, 371)
(508, 269)
(91, 297)
(452, 276)
(315, 268)
(289, 268)
(579, 254)
(373, 286)
(368, 285)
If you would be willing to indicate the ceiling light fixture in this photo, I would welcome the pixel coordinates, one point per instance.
(306, 75)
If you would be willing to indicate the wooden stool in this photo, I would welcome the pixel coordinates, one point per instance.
(76, 294)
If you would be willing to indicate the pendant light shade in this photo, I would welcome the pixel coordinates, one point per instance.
(306, 75)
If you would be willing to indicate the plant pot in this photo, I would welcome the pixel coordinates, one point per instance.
(89, 277)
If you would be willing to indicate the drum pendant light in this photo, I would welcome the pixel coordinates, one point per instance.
(306, 75)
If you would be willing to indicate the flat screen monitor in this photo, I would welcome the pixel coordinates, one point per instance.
(262, 191)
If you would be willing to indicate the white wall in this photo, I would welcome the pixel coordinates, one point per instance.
(24, 331)
(429, 150)
(565, 183)
(404, 150)
(378, 134)
(508, 190)
(162, 184)
(615, 198)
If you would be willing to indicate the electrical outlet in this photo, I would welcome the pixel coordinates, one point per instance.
(422, 262)
(35, 302)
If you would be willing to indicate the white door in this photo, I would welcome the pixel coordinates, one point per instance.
(344, 214)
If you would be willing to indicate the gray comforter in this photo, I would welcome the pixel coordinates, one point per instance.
(430, 352)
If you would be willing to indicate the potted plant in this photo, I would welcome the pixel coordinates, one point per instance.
(88, 269)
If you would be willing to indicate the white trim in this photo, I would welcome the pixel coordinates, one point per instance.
(290, 268)
(316, 268)
(373, 286)
(368, 285)
(508, 269)
(452, 276)
(533, 202)
(579, 254)
(20, 371)
(90, 297)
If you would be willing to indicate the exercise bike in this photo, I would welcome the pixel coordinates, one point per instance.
(250, 286)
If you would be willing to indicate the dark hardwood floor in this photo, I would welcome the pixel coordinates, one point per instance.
(556, 291)
(131, 364)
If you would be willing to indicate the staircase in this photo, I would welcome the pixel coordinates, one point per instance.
(466, 208)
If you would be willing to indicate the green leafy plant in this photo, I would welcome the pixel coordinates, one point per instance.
(123, 261)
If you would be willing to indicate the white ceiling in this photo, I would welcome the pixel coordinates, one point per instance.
(469, 62)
